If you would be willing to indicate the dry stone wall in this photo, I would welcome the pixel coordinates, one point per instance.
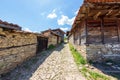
(15, 47)
(100, 52)
(60, 39)
(103, 52)
(71, 40)
(52, 40)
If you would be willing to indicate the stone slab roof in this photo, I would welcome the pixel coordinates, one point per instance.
(101, 1)
(4, 24)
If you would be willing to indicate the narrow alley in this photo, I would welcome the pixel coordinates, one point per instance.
(51, 65)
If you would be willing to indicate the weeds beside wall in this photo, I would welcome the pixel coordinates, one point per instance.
(86, 72)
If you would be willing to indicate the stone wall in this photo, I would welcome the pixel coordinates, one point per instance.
(103, 52)
(71, 40)
(61, 34)
(52, 40)
(15, 47)
(100, 52)
(82, 50)
(60, 39)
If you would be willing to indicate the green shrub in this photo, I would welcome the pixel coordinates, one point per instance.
(51, 46)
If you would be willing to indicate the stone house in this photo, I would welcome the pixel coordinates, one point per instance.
(96, 30)
(53, 37)
(60, 33)
(16, 46)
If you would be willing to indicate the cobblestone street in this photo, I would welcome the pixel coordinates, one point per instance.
(58, 65)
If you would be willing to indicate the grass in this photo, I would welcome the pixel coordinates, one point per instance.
(78, 58)
(92, 75)
(51, 47)
(87, 73)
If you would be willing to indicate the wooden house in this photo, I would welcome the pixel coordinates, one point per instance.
(16, 46)
(96, 30)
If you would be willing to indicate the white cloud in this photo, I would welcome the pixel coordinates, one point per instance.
(65, 20)
(52, 15)
(27, 29)
(64, 29)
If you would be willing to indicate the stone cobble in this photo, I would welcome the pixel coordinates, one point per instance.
(59, 65)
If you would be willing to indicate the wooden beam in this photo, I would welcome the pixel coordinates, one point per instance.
(118, 30)
(109, 12)
(86, 31)
(74, 37)
(105, 18)
(79, 35)
(97, 15)
(102, 30)
(105, 6)
(100, 25)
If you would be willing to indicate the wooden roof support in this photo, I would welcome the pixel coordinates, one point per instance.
(109, 12)
(102, 30)
(118, 30)
(97, 15)
(79, 35)
(74, 35)
(86, 26)
(86, 31)
(106, 13)
(97, 24)
(109, 4)
(103, 7)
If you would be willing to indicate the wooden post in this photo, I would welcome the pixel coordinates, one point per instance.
(74, 37)
(86, 31)
(86, 26)
(79, 35)
(118, 31)
(102, 30)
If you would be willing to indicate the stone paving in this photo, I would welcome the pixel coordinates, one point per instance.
(59, 65)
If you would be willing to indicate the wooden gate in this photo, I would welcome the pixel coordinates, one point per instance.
(42, 43)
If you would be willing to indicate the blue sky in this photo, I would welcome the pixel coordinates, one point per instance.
(39, 15)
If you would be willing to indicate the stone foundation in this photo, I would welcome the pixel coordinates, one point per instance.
(100, 52)
(15, 47)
